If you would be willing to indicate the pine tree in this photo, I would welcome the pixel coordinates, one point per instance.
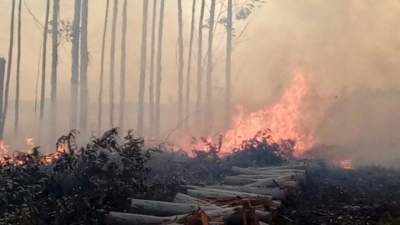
(180, 63)
(143, 59)
(54, 64)
(151, 73)
(200, 64)
(209, 95)
(103, 46)
(83, 87)
(17, 77)
(44, 61)
(159, 68)
(75, 65)
(123, 66)
(8, 73)
(228, 64)
(112, 61)
(189, 62)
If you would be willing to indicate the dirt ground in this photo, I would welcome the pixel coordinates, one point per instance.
(364, 196)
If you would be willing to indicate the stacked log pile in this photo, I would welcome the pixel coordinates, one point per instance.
(250, 197)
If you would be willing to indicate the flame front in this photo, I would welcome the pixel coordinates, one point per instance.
(281, 121)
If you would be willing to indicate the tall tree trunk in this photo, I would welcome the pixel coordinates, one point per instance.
(180, 63)
(209, 89)
(143, 59)
(200, 65)
(189, 63)
(151, 74)
(228, 64)
(8, 75)
(2, 72)
(112, 61)
(159, 68)
(75, 65)
(54, 64)
(17, 77)
(123, 67)
(84, 99)
(103, 45)
(44, 60)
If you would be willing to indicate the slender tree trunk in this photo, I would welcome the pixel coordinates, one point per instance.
(209, 94)
(17, 81)
(54, 64)
(8, 75)
(180, 63)
(75, 65)
(112, 61)
(123, 66)
(199, 64)
(103, 45)
(151, 74)
(2, 72)
(44, 60)
(143, 59)
(84, 99)
(159, 68)
(228, 64)
(189, 63)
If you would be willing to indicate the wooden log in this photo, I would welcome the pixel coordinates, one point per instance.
(272, 182)
(260, 171)
(184, 198)
(238, 180)
(159, 208)
(119, 218)
(275, 193)
(203, 192)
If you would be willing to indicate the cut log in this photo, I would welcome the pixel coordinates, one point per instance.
(272, 182)
(260, 171)
(119, 218)
(238, 180)
(159, 208)
(184, 198)
(275, 193)
(203, 192)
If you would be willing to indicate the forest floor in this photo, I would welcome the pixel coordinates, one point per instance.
(333, 196)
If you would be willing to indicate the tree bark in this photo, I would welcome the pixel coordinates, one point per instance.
(204, 192)
(143, 63)
(84, 99)
(8, 72)
(151, 73)
(200, 66)
(189, 64)
(180, 63)
(123, 67)
(209, 99)
(112, 62)
(2, 73)
(159, 68)
(228, 65)
(75, 65)
(17, 77)
(103, 45)
(54, 64)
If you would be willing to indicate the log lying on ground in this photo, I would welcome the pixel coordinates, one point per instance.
(184, 198)
(203, 192)
(238, 180)
(160, 208)
(272, 182)
(275, 193)
(261, 171)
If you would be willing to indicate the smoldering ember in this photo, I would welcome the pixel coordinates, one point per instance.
(199, 112)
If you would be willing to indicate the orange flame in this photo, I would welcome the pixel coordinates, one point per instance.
(282, 121)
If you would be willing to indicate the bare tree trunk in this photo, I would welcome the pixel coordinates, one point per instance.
(112, 62)
(44, 60)
(159, 67)
(199, 64)
(17, 81)
(54, 64)
(151, 74)
(142, 81)
(84, 99)
(75, 65)
(103, 45)
(209, 89)
(180, 63)
(8, 75)
(123, 66)
(228, 64)
(2, 72)
(189, 63)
